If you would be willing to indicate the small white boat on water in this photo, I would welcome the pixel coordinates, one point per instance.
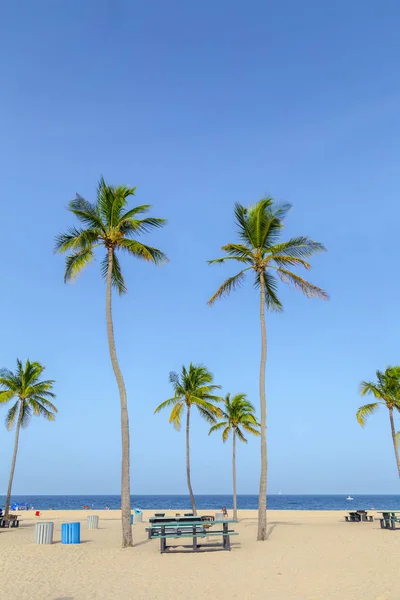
(349, 498)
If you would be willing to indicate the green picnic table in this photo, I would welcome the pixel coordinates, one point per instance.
(389, 519)
(195, 527)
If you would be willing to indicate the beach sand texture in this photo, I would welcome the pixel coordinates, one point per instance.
(309, 555)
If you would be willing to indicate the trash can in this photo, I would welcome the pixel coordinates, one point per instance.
(43, 533)
(71, 533)
(92, 522)
(137, 515)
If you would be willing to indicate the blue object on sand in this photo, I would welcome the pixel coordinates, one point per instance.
(71, 533)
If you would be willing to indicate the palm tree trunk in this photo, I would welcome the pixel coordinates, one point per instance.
(188, 460)
(14, 460)
(394, 438)
(234, 475)
(262, 498)
(125, 468)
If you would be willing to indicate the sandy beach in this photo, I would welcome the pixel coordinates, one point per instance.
(309, 555)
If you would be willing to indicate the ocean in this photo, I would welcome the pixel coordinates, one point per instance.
(279, 502)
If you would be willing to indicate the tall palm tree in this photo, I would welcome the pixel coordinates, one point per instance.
(238, 415)
(31, 396)
(387, 392)
(259, 250)
(110, 224)
(193, 387)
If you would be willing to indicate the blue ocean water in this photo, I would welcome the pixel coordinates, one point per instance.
(279, 502)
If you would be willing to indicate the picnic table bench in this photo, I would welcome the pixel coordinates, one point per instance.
(389, 519)
(195, 528)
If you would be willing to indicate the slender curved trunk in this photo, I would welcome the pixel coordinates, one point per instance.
(125, 469)
(234, 475)
(394, 438)
(188, 460)
(262, 498)
(14, 460)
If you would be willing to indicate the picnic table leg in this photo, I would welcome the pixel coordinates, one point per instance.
(226, 540)
(163, 541)
(195, 548)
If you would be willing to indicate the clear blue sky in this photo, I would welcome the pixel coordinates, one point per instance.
(201, 105)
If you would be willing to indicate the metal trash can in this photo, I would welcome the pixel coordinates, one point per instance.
(219, 516)
(92, 522)
(71, 533)
(43, 533)
(137, 515)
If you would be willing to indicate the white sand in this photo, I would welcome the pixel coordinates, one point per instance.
(309, 555)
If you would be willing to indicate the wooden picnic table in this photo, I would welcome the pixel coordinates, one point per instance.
(178, 527)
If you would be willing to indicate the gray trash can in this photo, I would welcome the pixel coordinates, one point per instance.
(44, 532)
(92, 522)
(219, 516)
(137, 517)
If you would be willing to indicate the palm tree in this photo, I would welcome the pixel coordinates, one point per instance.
(32, 398)
(238, 414)
(387, 392)
(109, 223)
(259, 250)
(193, 387)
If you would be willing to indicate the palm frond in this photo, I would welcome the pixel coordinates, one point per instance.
(282, 261)
(131, 226)
(46, 404)
(298, 247)
(86, 212)
(244, 231)
(176, 414)
(166, 403)
(26, 413)
(209, 416)
(368, 387)
(240, 435)
(251, 429)
(11, 416)
(76, 239)
(267, 217)
(230, 285)
(225, 433)
(142, 251)
(239, 251)
(271, 291)
(117, 278)
(75, 263)
(39, 409)
(310, 290)
(365, 411)
(6, 395)
(217, 426)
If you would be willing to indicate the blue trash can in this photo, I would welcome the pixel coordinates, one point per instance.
(71, 533)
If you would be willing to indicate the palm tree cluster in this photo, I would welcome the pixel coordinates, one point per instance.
(108, 224)
(194, 388)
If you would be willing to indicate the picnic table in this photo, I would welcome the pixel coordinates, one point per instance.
(12, 521)
(389, 519)
(166, 528)
(358, 516)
